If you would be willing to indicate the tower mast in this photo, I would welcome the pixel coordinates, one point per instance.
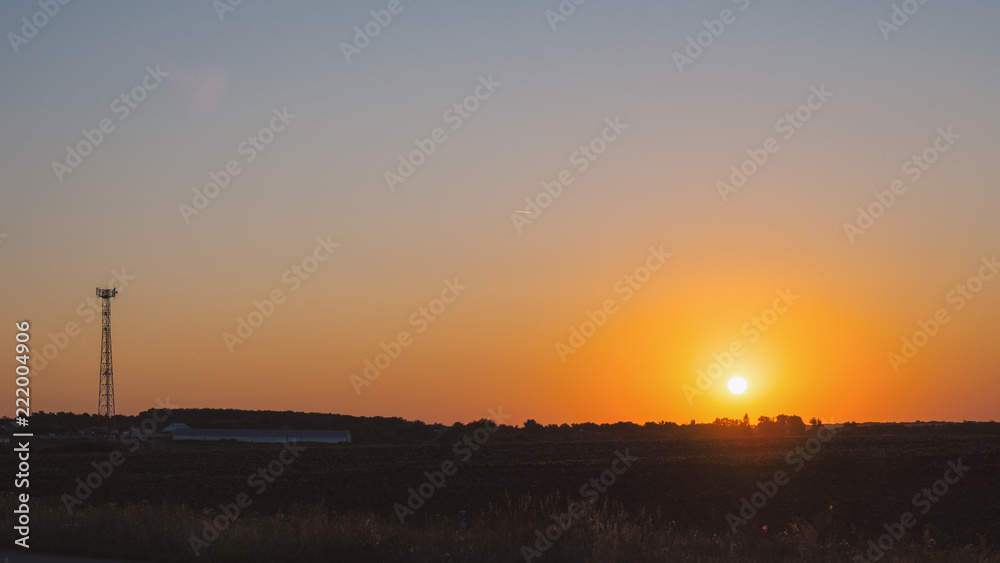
(106, 392)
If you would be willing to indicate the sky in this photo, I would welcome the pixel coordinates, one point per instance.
(570, 213)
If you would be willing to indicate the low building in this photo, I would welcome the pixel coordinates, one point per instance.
(181, 432)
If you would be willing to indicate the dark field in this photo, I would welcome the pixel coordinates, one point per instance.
(336, 503)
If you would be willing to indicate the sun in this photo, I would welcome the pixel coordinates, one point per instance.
(737, 385)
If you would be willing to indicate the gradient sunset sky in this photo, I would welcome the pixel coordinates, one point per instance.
(531, 278)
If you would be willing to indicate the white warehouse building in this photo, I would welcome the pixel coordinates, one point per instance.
(181, 432)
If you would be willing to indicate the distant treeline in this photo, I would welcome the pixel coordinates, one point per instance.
(379, 429)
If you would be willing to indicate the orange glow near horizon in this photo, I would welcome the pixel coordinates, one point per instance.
(643, 364)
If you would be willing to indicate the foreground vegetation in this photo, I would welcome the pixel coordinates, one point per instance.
(827, 496)
(602, 534)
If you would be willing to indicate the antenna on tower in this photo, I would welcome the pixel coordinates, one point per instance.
(106, 392)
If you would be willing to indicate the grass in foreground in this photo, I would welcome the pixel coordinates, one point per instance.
(602, 534)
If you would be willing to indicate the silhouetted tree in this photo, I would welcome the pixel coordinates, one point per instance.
(795, 426)
(532, 426)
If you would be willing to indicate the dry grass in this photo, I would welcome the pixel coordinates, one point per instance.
(603, 534)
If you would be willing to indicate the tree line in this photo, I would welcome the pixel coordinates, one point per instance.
(384, 430)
